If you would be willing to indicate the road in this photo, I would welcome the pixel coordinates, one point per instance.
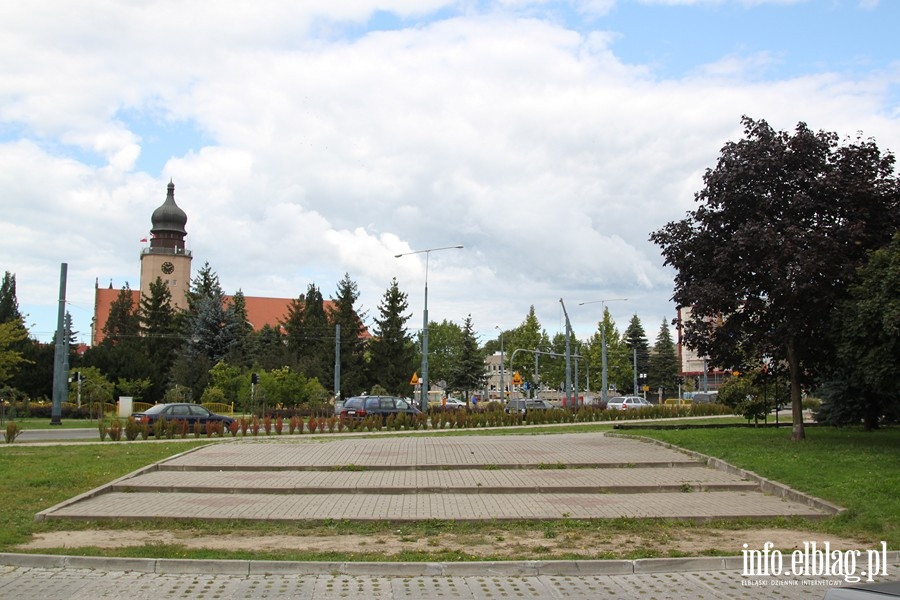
(58, 434)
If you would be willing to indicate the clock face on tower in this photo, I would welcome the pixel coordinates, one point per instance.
(168, 268)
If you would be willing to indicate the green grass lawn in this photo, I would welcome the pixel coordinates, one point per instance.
(849, 467)
(855, 469)
(35, 478)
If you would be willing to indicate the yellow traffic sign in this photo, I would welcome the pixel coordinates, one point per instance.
(415, 379)
(517, 379)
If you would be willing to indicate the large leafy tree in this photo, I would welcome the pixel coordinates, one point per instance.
(12, 335)
(864, 386)
(393, 352)
(529, 335)
(553, 368)
(343, 312)
(445, 344)
(782, 223)
(618, 356)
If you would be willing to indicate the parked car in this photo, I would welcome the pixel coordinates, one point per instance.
(705, 397)
(627, 403)
(523, 405)
(180, 411)
(360, 407)
(448, 403)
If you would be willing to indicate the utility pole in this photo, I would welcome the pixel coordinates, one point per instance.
(61, 357)
(337, 362)
(568, 354)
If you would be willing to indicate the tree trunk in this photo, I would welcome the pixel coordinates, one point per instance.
(797, 431)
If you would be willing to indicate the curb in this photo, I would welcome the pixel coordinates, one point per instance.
(767, 486)
(246, 568)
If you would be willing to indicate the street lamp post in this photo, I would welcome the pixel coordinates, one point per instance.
(502, 383)
(603, 376)
(424, 391)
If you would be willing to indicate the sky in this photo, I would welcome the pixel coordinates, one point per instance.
(307, 140)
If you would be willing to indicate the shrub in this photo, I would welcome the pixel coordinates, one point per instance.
(312, 424)
(254, 425)
(115, 430)
(234, 427)
(198, 428)
(132, 430)
(279, 424)
(267, 424)
(101, 426)
(12, 432)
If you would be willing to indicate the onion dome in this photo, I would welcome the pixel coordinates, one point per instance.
(168, 217)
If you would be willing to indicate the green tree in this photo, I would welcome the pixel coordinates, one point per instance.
(204, 285)
(783, 222)
(9, 303)
(35, 375)
(618, 362)
(95, 387)
(392, 351)
(864, 386)
(529, 335)
(267, 349)
(12, 334)
(662, 367)
(122, 325)
(310, 336)
(445, 342)
(159, 331)
(636, 341)
(343, 312)
(233, 381)
(122, 353)
(240, 328)
(467, 373)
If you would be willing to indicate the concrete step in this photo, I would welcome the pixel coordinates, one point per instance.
(419, 507)
(434, 481)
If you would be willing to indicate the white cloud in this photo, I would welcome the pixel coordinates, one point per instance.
(549, 158)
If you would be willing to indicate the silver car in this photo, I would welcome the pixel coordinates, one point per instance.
(626, 403)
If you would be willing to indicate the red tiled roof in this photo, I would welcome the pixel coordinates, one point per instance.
(260, 311)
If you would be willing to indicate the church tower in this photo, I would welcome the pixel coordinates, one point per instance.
(166, 257)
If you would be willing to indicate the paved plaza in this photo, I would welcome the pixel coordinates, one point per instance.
(496, 477)
(412, 478)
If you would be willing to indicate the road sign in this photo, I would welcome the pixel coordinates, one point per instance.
(414, 380)
(517, 379)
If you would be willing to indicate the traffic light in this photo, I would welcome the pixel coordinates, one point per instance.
(254, 378)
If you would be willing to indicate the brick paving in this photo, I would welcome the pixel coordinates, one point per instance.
(24, 583)
(501, 477)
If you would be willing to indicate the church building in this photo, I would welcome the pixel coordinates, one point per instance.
(167, 257)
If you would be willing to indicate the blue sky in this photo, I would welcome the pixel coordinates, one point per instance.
(309, 140)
